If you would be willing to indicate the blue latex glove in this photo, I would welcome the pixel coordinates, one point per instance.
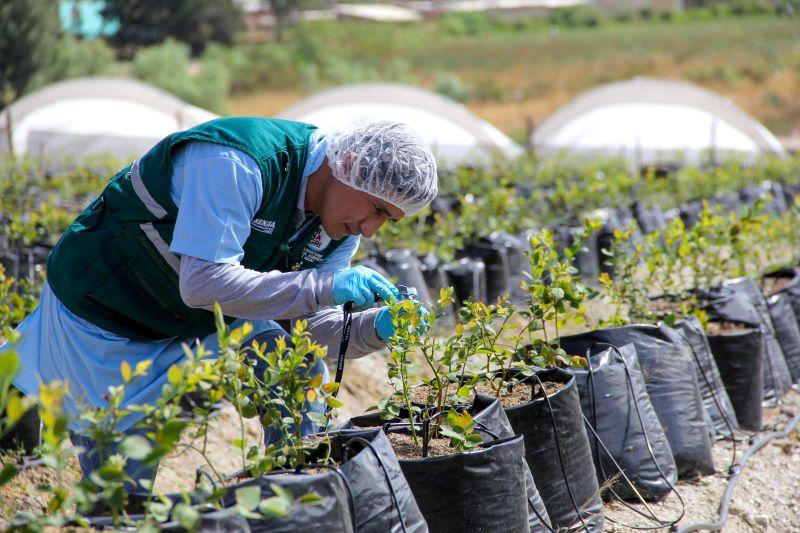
(360, 285)
(385, 328)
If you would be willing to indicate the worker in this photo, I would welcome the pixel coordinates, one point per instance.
(260, 215)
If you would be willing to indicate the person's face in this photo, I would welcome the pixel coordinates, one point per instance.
(346, 211)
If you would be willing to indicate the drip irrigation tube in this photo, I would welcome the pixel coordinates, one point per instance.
(736, 471)
(560, 456)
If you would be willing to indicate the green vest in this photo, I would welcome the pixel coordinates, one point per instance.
(113, 266)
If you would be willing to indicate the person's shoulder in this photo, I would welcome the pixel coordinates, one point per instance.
(206, 150)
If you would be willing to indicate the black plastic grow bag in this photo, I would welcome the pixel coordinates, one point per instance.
(558, 454)
(740, 358)
(586, 260)
(406, 267)
(479, 490)
(25, 435)
(615, 402)
(468, 278)
(382, 499)
(333, 513)
(668, 370)
(787, 331)
(650, 219)
(517, 262)
(776, 373)
(488, 412)
(495, 258)
(715, 397)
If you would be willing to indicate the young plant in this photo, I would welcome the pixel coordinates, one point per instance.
(555, 297)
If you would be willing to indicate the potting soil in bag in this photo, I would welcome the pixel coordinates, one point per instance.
(669, 374)
(494, 257)
(776, 373)
(478, 490)
(715, 397)
(333, 513)
(789, 286)
(740, 357)
(614, 400)
(558, 454)
(490, 413)
(787, 331)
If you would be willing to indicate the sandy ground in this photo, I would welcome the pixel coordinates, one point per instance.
(767, 495)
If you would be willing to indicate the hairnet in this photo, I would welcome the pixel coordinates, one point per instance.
(387, 160)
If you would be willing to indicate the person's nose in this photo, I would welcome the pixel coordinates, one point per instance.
(370, 225)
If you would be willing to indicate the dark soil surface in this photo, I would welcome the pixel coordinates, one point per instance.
(405, 448)
(770, 286)
(521, 393)
(720, 328)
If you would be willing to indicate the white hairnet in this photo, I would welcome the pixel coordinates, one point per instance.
(387, 160)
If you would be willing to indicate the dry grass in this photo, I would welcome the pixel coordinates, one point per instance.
(518, 77)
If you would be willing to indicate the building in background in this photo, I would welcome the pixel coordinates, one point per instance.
(83, 18)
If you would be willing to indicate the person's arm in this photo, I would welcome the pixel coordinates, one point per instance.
(253, 295)
(218, 190)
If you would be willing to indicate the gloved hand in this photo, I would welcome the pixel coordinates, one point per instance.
(360, 285)
(385, 328)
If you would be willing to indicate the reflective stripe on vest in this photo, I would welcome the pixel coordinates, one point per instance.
(144, 195)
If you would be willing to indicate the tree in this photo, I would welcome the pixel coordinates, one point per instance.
(149, 22)
(29, 32)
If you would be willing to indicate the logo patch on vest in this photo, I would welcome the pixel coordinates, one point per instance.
(320, 240)
(264, 226)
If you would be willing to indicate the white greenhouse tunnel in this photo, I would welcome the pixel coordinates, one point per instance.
(455, 135)
(651, 121)
(94, 116)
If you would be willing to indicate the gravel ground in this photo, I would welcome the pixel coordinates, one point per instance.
(767, 493)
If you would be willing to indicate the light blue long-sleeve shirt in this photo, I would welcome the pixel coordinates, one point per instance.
(218, 190)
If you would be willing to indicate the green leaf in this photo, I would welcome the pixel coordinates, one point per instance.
(136, 447)
(186, 515)
(125, 370)
(175, 374)
(311, 498)
(274, 507)
(248, 498)
(9, 365)
(8, 473)
(15, 409)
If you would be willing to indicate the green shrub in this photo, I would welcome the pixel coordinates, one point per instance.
(168, 66)
(81, 57)
(451, 86)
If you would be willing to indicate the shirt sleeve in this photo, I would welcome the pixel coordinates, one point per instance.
(218, 190)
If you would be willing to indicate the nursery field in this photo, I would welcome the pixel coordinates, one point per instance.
(507, 74)
(604, 351)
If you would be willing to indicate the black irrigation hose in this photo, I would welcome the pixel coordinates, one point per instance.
(378, 458)
(560, 455)
(662, 523)
(735, 473)
(714, 396)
